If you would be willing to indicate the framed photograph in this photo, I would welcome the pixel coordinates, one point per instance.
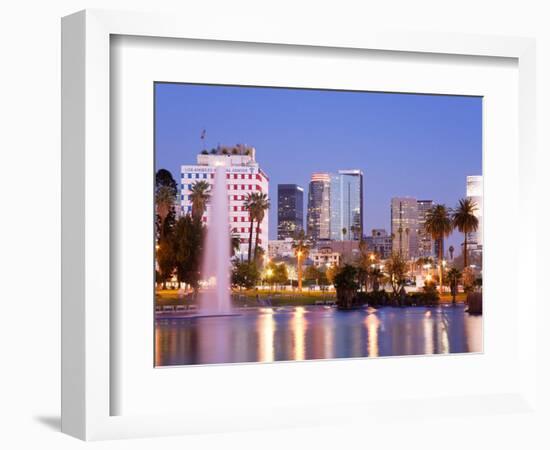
(252, 218)
(262, 260)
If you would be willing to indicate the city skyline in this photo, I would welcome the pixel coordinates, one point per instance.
(330, 131)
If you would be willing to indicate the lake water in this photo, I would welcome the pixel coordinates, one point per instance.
(315, 332)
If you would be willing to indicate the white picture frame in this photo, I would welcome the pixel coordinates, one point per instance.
(87, 325)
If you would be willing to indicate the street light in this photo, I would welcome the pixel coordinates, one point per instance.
(269, 273)
(299, 254)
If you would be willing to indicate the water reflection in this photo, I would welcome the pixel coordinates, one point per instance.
(302, 333)
(373, 323)
(299, 330)
(266, 334)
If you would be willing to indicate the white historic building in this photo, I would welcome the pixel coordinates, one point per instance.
(281, 248)
(243, 176)
(324, 257)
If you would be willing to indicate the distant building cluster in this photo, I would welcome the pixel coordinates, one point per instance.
(408, 217)
(334, 216)
(333, 210)
(334, 221)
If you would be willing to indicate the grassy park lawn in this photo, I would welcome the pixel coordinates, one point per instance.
(278, 298)
(446, 298)
(248, 297)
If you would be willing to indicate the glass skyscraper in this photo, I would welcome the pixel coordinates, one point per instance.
(474, 191)
(290, 210)
(318, 207)
(346, 205)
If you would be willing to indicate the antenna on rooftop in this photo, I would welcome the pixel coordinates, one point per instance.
(203, 135)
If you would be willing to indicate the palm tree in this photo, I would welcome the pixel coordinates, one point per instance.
(451, 252)
(235, 243)
(407, 232)
(465, 221)
(376, 276)
(301, 249)
(400, 231)
(439, 225)
(250, 206)
(262, 205)
(396, 268)
(344, 232)
(453, 276)
(199, 197)
(164, 199)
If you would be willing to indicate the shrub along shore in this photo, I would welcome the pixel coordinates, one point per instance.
(252, 297)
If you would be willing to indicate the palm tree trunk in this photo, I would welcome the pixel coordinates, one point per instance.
(250, 238)
(440, 265)
(299, 274)
(465, 250)
(257, 238)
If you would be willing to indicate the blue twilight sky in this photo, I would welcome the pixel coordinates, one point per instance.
(421, 146)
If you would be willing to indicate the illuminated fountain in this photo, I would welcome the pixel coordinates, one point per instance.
(215, 297)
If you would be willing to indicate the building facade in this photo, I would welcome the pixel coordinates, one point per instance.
(425, 240)
(379, 242)
(290, 210)
(243, 176)
(346, 205)
(324, 257)
(404, 226)
(474, 191)
(280, 248)
(318, 207)
(348, 250)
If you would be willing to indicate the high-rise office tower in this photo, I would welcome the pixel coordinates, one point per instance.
(290, 210)
(346, 205)
(318, 207)
(425, 240)
(404, 226)
(474, 191)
